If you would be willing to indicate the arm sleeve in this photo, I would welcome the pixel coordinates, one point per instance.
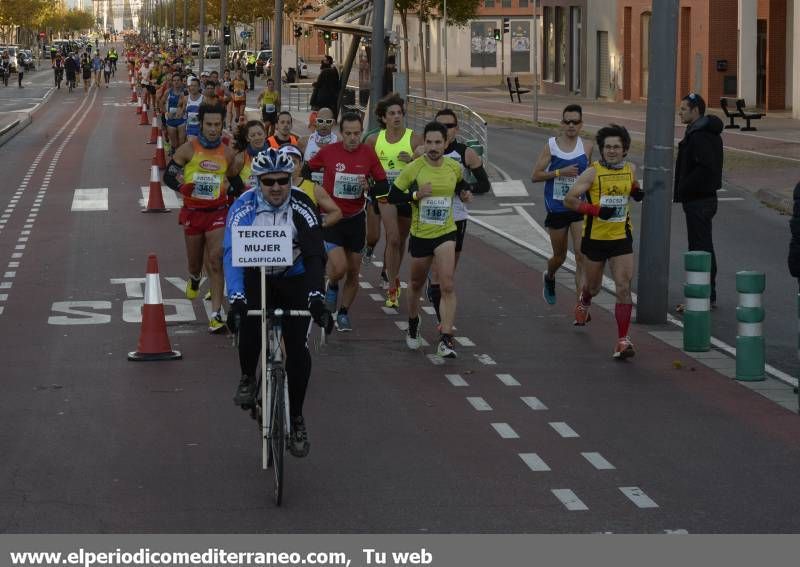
(397, 196)
(171, 175)
(236, 185)
(483, 185)
(234, 275)
(380, 189)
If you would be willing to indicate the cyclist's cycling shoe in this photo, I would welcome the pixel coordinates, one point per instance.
(246, 392)
(298, 440)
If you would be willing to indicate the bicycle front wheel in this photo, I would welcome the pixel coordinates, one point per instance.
(277, 434)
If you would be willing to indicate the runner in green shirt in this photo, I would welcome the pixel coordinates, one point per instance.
(433, 230)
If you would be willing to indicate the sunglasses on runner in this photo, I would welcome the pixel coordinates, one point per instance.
(269, 182)
(325, 121)
(571, 122)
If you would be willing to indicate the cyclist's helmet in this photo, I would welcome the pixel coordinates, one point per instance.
(271, 161)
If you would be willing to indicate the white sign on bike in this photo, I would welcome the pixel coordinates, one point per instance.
(261, 246)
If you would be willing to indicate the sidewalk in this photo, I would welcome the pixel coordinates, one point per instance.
(764, 162)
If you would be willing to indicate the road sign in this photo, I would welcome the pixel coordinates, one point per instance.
(42, 34)
(244, 34)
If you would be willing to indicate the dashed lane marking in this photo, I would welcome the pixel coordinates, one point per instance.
(388, 310)
(507, 379)
(365, 285)
(511, 188)
(598, 461)
(638, 497)
(479, 403)
(534, 462)
(90, 199)
(569, 499)
(485, 359)
(376, 297)
(436, 359)
(563, 429)
(429, 310)
(464, 341)
(534, 403)
(456, 380)
(505, 431)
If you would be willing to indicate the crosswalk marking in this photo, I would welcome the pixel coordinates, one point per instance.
(534, 403)
(598, 461)
(569, 499)
(456, 380)
(479, 403)
(171, 199)
(90, 200)
(534, 462)
(507, 379)
(638, 497)
(563, 429)
(505, 431)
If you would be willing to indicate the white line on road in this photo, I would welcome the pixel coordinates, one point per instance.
(456, 380)
(376, 297)
(388, 310)
(563, 429)
(569, 499)
(464, 341)
(507, 379)
(436, 359)
(429, 310)
(479, 403)
(598, 461)
(505, 431)
(510, 188)
(490, 211)
(90, 199)
(534, 462)
(534, 403)
(638, 497)
(485, 359)
(365, 285)
(9, 274)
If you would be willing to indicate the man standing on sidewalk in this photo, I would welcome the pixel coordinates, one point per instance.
(698, 176)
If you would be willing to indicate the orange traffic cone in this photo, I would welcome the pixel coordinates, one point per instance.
(153, 339)
(154, 132)
(134, 98)
(139, 107)
(160, 159)
(155, 198)
(143, 121)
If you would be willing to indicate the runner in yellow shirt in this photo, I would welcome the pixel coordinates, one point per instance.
(433, 230)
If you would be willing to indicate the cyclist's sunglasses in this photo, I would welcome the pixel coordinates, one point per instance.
(269, 182)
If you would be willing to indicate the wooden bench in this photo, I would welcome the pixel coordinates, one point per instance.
(740, 111)
(515, 89)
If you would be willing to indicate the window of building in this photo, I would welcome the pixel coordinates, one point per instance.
(505, 3)
(549, 59)
(488, 3)
(560, 47)
(523, 3)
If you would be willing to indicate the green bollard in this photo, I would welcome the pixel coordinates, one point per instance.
(750, 360)
(697, 312)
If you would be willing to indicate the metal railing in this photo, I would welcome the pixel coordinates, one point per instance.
(471, 125)
(296, 96)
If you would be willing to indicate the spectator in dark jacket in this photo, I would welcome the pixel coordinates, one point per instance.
(326, 87)
(698, 176)
(794, 245)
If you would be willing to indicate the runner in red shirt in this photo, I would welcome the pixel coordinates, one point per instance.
(348, 165)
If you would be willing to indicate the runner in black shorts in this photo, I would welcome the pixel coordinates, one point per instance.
(349, 233)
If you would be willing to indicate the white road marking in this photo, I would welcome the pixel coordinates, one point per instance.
(6, 285)
(464, 341)
(388, 310)
(13, 264)
(9, 274)
(429, 310)
(569, 499)
(730, 199)
(485, 359)
(517, 204)
(511, 188)
(90, 199)
(598, 461)
(456, 380)
(436, 359)
(22, 239)
(479, 403)
(507, 379)
(490, 211)
(534, 403)
(402, 325)
(365, 285)
(3, 296)
(17, 255)
(505, 431)
(563, 429)
(377, 263)
(534, 462)
(376, 297)
(19, 247)
(638, 497)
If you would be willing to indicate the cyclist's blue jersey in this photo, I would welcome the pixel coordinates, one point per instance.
(556, 189)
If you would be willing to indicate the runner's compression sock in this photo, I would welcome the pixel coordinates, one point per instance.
(436, 298)
(622, 312)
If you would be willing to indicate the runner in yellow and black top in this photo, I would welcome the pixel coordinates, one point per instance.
(607, 235)
(394, 145)
(433, 230)
(270, 103)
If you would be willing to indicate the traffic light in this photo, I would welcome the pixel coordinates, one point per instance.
(497, 34)
(226, 35)
(326, 35)
(306, 33)
(298, 30)
(506, 25)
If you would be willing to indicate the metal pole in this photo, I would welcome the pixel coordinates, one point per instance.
(185, 20)
(536, 69)
(202, 28)
(223, 49)
(378, 55)
(174, 26)
(277, 45)
(653, 286)
(444, 42)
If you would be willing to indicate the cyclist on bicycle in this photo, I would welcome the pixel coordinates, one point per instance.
(275, 202)
(58, 69)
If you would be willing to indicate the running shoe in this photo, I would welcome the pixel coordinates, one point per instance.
(192, 287)
(392, 298)
(624, 348)
(331, 297)
(367, 255)
(582, 315)
(216, 324)
(298, 440)
(207, 296)
(246, 392)
(548, 289)
(446, 348)
(384, 280)
(412, 334)
(343, 322)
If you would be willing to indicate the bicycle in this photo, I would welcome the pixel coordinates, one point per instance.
(271, 410)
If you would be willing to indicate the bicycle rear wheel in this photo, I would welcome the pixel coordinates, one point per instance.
(277, 435)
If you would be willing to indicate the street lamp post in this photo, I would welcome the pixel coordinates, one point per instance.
(444, 42)
(277, 44)
(223, 49)
(202, 28)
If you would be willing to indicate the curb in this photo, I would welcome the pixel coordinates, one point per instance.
(775, 200)
(19, 125)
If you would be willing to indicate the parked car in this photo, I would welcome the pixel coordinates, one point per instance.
(302, 73)
(26, 60)
(303, 70)
(195, 49)
(261, 60)
(13, 53)
(212, 52)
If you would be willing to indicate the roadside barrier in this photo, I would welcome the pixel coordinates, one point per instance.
(697, 294)
(750, 360)
(153, 340)
(155, 198)
(153, 130)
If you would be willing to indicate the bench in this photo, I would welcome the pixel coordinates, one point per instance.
(515, 89)
(740, 112)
